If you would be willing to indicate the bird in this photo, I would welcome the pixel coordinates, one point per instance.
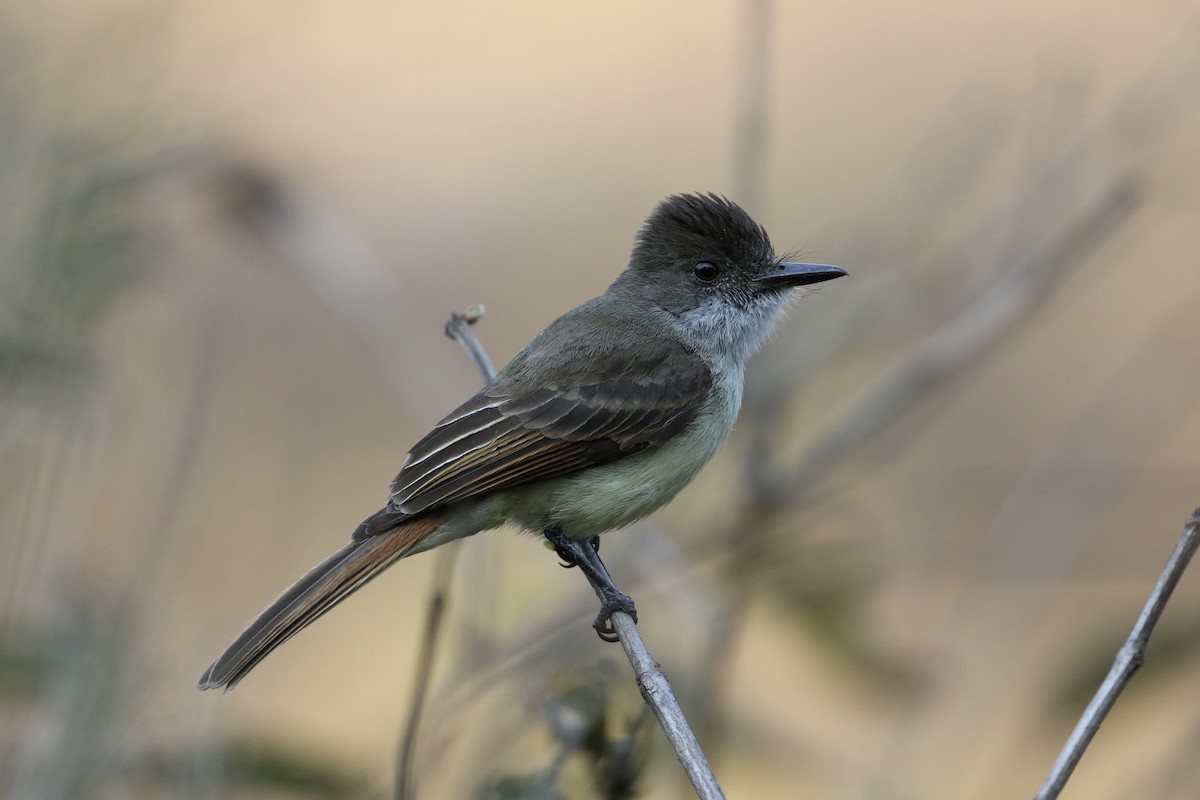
(601, 419)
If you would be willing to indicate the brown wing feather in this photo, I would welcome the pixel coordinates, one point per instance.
(502, 438)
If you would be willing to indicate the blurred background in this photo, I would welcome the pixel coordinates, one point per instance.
(230, 235)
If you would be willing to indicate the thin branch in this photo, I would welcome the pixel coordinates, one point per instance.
(656, 691)
(458, 328)
(1129, 659)
(653, 684)
(435, 613)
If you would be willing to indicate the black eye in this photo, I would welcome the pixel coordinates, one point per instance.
(706, 271)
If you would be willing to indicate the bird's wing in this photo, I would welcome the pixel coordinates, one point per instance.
(502, 437)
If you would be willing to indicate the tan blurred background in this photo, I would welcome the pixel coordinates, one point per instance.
(230, 235)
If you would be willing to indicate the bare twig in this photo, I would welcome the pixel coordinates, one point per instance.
(653, 684)
(435, 613)
(656, 691)
(457, 328)
(1129, 659)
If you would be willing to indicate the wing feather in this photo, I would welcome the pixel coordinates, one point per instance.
(507, 435)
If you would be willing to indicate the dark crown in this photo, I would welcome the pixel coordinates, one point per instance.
(701, 226)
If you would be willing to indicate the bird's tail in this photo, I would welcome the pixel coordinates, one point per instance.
(325, 585)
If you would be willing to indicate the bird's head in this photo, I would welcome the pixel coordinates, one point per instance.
(702, 259)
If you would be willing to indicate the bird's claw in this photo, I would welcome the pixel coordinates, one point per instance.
(611, 605)
(574, 554)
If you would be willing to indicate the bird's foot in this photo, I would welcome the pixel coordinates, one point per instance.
(585, 554)
(566, 548)
(609, 605)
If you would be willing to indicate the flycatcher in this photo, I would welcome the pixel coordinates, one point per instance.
(597, 422)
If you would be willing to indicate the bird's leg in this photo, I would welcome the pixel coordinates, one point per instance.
(585, 554)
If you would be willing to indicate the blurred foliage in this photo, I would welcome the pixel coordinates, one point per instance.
(537, 786)
(81, 673)
(72, 242)
(83, 247)
(583, 719)
(25, 655)
(82, 660)
(261, 763)
(74, 238)
(824, 588)
(76, 235)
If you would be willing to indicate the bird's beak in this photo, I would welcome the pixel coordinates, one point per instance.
(789, 273)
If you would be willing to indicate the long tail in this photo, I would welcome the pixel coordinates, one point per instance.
(325, 585)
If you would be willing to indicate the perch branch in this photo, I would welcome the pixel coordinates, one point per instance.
(656, 691)
(653, 684)
(457, 328)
